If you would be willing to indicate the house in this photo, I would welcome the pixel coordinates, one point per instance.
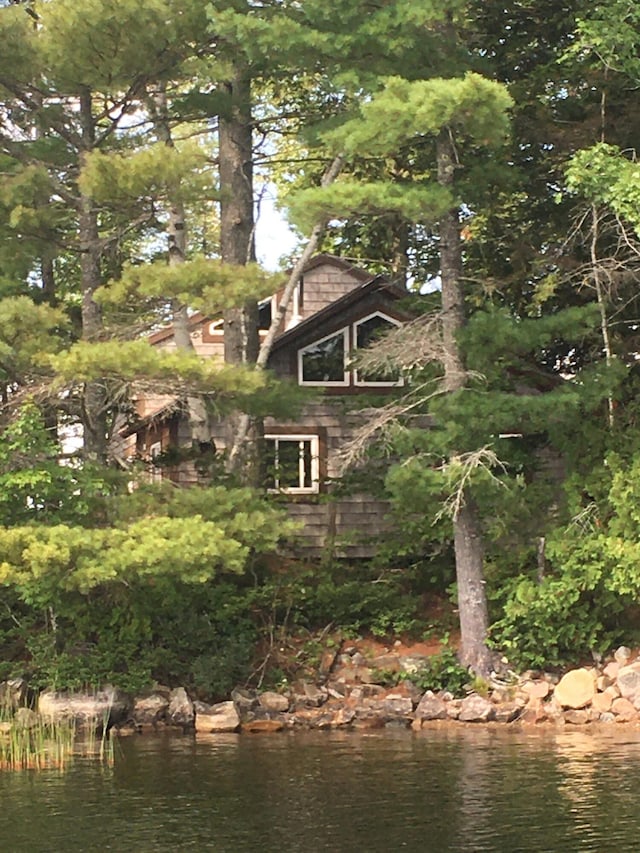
(336, 309)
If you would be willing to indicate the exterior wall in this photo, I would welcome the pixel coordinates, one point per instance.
(346, 526)
(322, 285)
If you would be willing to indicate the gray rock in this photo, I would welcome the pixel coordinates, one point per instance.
(622, 655)
(244, 699)
(476, 709)
(628, 683)
(507, 712)
(337, 690)
(222, 717)
(95, 710)
(412, 691)
(308, 694)
(150, 709)
(327, 661)
(397, 706)
(431, 707)
(272, 701)
(577, 717)
(180, 711)
(389, 663)
(12, 693)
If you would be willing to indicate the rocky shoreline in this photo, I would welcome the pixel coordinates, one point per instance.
(348, 694)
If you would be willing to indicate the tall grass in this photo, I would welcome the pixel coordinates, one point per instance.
(44, 744)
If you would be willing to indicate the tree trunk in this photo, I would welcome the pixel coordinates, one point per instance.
(199, 427)
(472, 599)
(237, 246)
(266, 346)
(94, 404)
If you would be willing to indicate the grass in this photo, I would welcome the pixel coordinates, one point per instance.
(43, 744)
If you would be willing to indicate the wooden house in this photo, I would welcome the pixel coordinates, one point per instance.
(336, 309)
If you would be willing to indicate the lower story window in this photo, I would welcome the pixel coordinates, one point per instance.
(292, 463)
(155, 471)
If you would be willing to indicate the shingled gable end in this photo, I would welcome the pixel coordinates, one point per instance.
(336, 308)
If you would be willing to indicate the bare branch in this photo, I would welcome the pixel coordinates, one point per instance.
(459, 471)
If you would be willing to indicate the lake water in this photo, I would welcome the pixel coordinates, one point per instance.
(459, 789)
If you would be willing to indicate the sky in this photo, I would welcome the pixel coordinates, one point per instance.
(274, 237)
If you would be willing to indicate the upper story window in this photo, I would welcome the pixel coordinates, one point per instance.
(326, 362)
(366, 332)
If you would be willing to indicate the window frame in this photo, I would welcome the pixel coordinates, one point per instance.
(155, 471)
(364, 383)
(314, 440)
(322, 383)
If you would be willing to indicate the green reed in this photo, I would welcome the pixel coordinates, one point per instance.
(44, 744)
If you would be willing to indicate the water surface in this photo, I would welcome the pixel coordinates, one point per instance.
(467, 789)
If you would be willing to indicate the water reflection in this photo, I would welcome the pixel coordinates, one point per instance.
(452, 789)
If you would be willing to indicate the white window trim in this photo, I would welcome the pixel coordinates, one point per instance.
(362, 383)
(334, 383)
(155, 472)
(315, 464)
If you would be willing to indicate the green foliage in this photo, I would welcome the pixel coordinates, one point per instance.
(29, 334)
(603, 174)
(560, 620)
(203, 283)
(127, 588)
(357, 599)
(36, 487)
(405, 109)
(152, 173)
(171, 371)
(585, 600)
(442, 672)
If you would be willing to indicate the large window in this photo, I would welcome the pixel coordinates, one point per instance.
(292, 463)
(324, 362)
(367, 332)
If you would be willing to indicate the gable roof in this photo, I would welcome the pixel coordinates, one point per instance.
(366, 279)
(166, 332)
(342, 264)
(372, 285)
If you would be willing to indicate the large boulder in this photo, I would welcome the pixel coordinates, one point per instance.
(628, 683)
(431, 707)
(98, 710)
(476, 709)
(576, 689)
(624, 710)
(245, 699)
(150, 708)
(13, 693)
(222, 717)
(271, 701)
(180, 711)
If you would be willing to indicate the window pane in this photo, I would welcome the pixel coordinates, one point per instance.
(324, 362)
(372, 329)
(367, 333)
(288, 464)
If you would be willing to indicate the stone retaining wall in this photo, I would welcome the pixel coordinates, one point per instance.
(351, 696)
